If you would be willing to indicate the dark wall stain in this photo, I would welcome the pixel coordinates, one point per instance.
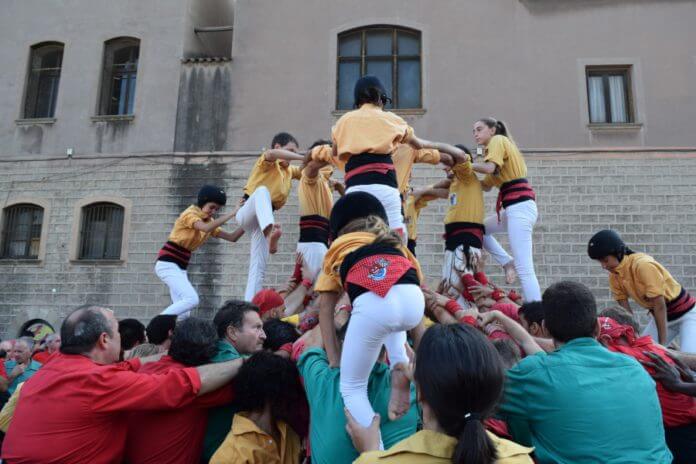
(110, 136)
(185, 181)
(203, 108)
(31, 139)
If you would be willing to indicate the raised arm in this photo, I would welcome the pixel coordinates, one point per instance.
(231, 236)
(327, 305)
(458, 155)
(515, 330)
(280, 154)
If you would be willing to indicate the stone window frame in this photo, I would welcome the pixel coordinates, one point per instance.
(43, 237)
(127, 206)
(110, 46)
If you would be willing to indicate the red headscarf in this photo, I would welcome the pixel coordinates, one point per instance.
(267, 299)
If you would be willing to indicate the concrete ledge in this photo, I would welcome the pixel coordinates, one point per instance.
(34, 121)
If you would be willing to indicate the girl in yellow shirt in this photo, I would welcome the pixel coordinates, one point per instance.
(459, 378)
(648, 283)
(191, 229)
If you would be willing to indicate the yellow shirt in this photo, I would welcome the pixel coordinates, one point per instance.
(641, 278)
(9, 409)
(314, 194)
(183, 233)
(465, 197)
(246, 443)
(329, 279)
(412, 212)
(325, 153)
(504, 153)
(369, 129)
(404, 158)
(273, 176)
(430, 447)
(294, 319)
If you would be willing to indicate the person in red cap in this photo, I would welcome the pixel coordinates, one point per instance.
(271, 305)
(678, 409)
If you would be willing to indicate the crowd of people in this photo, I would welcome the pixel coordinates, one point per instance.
(358, 358)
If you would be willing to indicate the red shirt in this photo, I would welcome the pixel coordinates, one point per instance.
(176, 436)
(42, 356)
(74, 410)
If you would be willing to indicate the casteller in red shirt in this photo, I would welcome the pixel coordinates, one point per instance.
(171, 436)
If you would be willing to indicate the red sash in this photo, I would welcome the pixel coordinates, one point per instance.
(378, 273)
(381, 168)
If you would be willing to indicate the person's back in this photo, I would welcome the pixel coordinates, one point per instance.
(329, 442)
(583, 403)
(176, 436)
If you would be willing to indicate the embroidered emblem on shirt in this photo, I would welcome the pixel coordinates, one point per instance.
(378, 271)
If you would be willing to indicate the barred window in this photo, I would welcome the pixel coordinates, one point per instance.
(119, 76)
(101, 231)
(42, 81)
(393, 54)
(21, 235)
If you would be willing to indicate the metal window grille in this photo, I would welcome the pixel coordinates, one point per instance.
(390, 53)
(21, 235)
(43, 80)
(101, 231)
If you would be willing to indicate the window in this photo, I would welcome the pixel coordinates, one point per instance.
(609, 95)
(119, 76)
(21, 235)
(101, 231)
(45, 63)
(392, 54)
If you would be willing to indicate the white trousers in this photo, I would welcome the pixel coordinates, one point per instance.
(254, 217)
(454, 266)
(685, 327)
(390, 199)
(312, 258)
(184, 296)
(376, 321)
(518, 220)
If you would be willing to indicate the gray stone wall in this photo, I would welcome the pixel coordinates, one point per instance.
(649, 197)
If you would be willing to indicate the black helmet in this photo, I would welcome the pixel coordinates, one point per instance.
(352, 206)
(367, 87)
(211, 194)
(605, 243)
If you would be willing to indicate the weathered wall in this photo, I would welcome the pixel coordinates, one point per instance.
(649, 197)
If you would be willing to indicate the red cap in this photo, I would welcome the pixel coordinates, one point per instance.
(509, 309)
(611, 331)
(267, 299)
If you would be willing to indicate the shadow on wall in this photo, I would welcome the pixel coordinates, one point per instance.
(542, 7)
(203, 109)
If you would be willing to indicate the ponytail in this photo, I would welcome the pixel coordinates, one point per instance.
(376, 226)
(499, 126)
(474, 446)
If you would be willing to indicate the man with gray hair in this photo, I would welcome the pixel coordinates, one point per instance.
(19, 366)
(82, 394)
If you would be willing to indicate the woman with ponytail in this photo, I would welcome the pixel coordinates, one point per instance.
(459, 379)
(516, 209)
(369, 262)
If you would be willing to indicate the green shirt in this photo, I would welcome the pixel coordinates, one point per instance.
(328, 439)
(220, 418)
(585, 404)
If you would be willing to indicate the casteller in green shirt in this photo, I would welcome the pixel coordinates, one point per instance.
(584, 404)
(220, 418)
(329, 441)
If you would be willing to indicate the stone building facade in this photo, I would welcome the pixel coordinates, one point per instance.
(209, 97)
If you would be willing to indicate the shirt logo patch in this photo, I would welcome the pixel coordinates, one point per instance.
(453, 199)
(378, 271)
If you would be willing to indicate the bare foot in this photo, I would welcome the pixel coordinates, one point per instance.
(273, 238)
(510, 273)
(400, 397)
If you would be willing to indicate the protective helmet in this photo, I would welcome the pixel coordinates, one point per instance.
(352, 206)
(605, 243)
(211, 194)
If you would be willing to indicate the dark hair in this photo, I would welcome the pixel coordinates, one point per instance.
(460, 376)
(369, 89)
(267, 378)
(508, 351)
(282, 139)
(132, 333)
(159, 327)
(570, 311)
(621, 316)
(82, 328)
(194, 342)
(232, 314)
(499, 126)
(278, 333)
(320, 142)
(464, 148)
(533, 311)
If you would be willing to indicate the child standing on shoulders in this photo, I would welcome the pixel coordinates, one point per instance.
(267, 190)
(193, 227)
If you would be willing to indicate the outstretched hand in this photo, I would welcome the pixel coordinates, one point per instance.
(363, 438)
(668, 375)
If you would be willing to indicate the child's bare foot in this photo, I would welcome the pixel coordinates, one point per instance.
(510, 273)
(400, 397)
(273, 238)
